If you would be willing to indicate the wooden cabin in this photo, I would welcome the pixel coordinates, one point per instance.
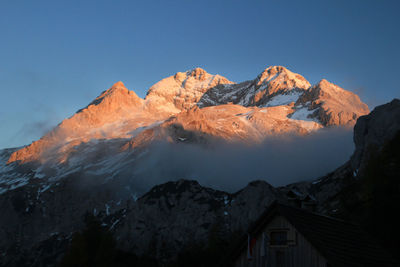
(286, 236)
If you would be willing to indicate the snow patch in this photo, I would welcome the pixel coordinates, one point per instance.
(284, 99)
(303, 114)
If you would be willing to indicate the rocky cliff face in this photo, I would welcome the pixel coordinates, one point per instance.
(372, 131)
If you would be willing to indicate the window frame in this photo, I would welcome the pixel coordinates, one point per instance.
(275, 231)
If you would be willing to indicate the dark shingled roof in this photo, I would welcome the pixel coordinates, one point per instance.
(341, 243)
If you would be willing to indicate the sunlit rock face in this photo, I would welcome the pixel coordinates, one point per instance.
(182, 90)
(271, 82)
(113, 114)
(333, 105)
(192, 107)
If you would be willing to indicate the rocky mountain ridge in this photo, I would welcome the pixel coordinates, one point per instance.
(164, 219)
(277, 101)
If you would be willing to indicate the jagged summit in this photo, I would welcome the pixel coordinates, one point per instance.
(197, 72)
(118, 84)
(272, 81)
(282, 76)
(182, 90)
(115, 97)
(197, 87)
(271, 71)
(116, 88)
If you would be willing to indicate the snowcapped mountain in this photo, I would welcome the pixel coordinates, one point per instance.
(107, 137)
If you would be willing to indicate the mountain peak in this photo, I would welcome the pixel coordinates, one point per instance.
(273, 81)
(113, 92)
(197, 72)
(118, 84)
(113, 106)
(275, 69)
(324, 82)
(116, 95)
(328, 87)
(282, 75)
(336, 105)
(182, 90)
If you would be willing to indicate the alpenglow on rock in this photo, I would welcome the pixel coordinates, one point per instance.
(105, 137)
(182, 90)
(273, 81)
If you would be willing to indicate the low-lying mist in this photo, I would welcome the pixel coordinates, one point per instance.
(229, 167)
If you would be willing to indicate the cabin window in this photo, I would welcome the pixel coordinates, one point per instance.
(279, 238)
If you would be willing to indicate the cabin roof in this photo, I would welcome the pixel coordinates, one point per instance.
(340, 242)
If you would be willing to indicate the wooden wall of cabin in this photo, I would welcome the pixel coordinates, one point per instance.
(298, 253)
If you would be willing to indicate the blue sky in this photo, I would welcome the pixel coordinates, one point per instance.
(57, 56)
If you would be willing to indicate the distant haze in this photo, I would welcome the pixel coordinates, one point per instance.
(278, 160)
